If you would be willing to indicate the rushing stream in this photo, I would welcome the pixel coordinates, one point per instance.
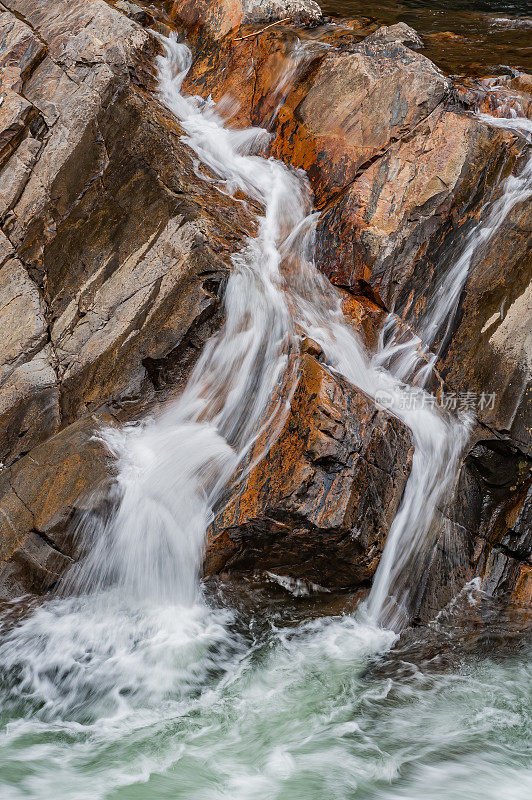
(141, 686)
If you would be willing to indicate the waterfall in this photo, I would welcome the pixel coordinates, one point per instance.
(411, 358)
(172, 470)
(316, 309)
(130, 684)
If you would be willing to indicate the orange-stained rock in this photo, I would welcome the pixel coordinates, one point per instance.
(522, 592)
(358, 103)
(214, 17)
(249, 78)
(365, 315)
(410, 199)
(319, 505)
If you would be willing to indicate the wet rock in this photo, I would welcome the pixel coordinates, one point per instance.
(159, 263)
(331, 113)
(490, 344)
(249, 78)
(503, 96)
(217, 19)
(114, 252)
(485, 531)
(40, 497)
(419, 192)
(122, 246)
(29, 395)
(319, 505)
(358, 103)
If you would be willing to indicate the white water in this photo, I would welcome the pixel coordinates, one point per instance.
(411, 359)
(172, 470)
(141, 654)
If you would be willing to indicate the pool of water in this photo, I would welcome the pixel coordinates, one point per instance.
(461, 37)
(105, 699)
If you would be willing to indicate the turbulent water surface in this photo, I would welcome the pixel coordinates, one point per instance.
(144, 685)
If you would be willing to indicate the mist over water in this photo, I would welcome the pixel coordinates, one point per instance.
(139, 686)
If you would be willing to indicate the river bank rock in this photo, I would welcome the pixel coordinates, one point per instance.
(41, 495)
(29, 393)
(319, 505)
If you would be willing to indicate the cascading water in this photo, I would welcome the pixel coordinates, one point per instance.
(136, 686)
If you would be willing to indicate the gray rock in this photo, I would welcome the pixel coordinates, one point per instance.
(400, 32)
(302, 12)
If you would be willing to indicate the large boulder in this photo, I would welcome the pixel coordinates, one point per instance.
(359, 102)
(394, 225)
(319, 504)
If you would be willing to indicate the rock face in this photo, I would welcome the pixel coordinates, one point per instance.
(112, 230)
(388, 227)
(113, 252)
(29, 395)
(319, 505)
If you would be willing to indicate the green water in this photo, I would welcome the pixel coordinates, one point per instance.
(102, 699)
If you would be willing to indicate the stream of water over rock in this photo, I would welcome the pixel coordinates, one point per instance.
(139, 685)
